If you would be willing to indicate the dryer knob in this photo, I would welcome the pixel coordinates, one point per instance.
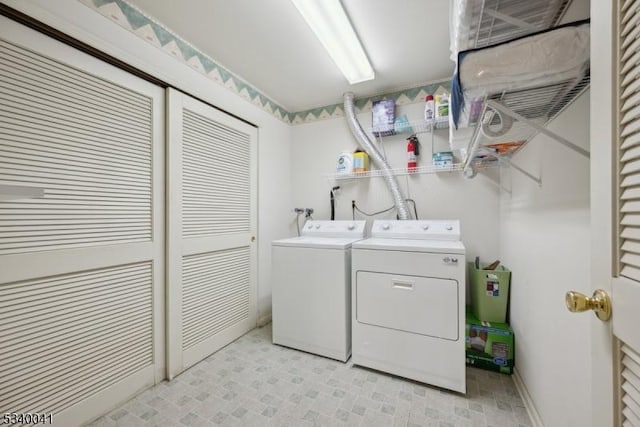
(309, 227)
(425, 227)
(351, 226)
(385, 226)
(317, 226)
(449, 227)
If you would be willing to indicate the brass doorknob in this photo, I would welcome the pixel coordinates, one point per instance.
(600, 303)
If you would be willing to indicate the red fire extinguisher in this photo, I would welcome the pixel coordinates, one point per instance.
(413, 151)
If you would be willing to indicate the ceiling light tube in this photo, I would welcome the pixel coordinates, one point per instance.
(331, 25)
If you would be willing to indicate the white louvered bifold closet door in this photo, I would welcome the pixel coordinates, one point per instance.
(626, 287)
(81, 267)
(630, 386)
(212, 168)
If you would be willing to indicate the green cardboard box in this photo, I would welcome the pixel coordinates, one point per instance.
(489, 345)
(489, 292)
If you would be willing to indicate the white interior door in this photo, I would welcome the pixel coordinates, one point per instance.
(626, 282)
(212, 212)
(616, 210)
(82, 255)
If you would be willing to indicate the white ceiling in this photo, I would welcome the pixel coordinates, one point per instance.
(267, 43)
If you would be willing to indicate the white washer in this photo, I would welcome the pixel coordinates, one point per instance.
(311, 290)
(409, 301)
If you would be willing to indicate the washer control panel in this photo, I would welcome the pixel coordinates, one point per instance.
(417, 229)
(333, 228)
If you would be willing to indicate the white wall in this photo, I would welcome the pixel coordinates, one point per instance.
(85, 24)
(274, 199)
(545, 241)
(315, 148)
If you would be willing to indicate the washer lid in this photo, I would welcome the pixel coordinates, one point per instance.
(411, 245)
(317, 242)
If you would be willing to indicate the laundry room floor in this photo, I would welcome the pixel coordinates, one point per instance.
(252, 382)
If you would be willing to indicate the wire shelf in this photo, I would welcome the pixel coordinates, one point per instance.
(494, 21)
(510, 119)
(454, 167)
(413, 127)
(538, 106)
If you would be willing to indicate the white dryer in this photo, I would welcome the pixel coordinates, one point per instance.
(311, 288)
(409, 301)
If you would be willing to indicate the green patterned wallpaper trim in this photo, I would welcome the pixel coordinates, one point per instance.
(362, 105)
(156, 34)
(132, 19)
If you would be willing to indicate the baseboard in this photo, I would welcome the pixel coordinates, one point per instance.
(264, 320)
(536, 420)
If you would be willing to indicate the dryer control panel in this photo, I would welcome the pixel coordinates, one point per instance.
(417, 229)
(333, 228)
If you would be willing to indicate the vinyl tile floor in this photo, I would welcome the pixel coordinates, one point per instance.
(252, 382)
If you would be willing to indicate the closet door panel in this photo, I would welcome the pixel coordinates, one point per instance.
(81, 230)
(212, 222)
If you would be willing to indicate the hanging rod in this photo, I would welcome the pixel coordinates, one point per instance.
(522, 171)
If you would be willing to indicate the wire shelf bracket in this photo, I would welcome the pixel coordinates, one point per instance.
(511, 20)
(490, 103)
(524, 172)
(562, 140)
(497, 183)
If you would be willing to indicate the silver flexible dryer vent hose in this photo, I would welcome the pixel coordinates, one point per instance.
(376, 156)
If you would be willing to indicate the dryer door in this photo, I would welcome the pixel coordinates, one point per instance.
(416, 304)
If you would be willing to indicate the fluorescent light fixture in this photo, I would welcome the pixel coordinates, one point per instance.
(329, 21)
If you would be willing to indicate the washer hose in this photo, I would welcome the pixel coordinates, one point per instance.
(332, 198)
